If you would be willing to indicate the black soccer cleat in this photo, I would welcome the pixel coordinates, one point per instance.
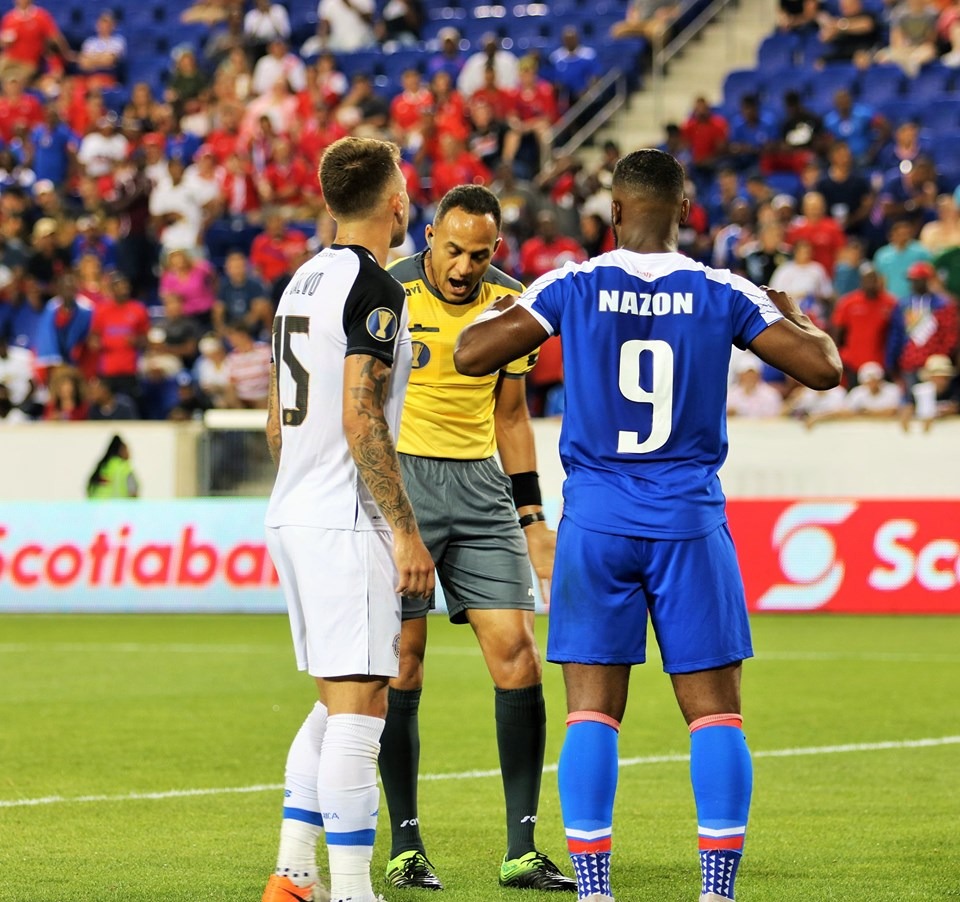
(535, 871)
(412, 870)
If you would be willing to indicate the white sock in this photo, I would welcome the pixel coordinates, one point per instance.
(301, 827)
(350, 801)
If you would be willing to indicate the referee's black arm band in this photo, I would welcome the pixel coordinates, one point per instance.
(526, 489)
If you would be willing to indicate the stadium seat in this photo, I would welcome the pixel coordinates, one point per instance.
(940, 115)
(785, 183)
(945, 148)
(932, 82)
(778, 51)
(776, 82)
(225, 235)
(898, 111)
(738, 83)
(881, 83)
(833, 78)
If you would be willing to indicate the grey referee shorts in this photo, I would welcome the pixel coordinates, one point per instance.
(468, 521)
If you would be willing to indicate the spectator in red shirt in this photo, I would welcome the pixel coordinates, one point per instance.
(499, 100)
(407, 108)
(117, 335)
(316, 134)
(449, 108)
(825, 234)
(860, 323)
(547, 249)
(331, 83)
(289, 184)
(274, 250)
(17, 108)
(533, 109)
(66, 396)
(225, 138)
(241, 197)
(456, 166)
(705, 133)
(25, 34)
(414, 187)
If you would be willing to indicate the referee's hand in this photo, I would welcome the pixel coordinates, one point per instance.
(415, 568)
(542, 547)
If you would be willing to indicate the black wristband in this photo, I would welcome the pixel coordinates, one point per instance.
(526, 489)
(535, 517)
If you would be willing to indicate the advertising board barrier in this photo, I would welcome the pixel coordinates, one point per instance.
(837, 555)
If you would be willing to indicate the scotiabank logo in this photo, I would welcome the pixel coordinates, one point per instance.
(117, 558)
(935, 566)
(808, 557)
(865, 556)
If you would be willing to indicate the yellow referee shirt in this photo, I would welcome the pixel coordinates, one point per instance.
(446, 414)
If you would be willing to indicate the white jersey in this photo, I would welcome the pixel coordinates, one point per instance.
(339, 303)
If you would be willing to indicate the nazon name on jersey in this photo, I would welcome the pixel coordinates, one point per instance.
(640, 304)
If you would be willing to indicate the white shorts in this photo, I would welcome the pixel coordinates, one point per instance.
(339, 587)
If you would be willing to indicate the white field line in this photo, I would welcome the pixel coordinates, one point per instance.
(101, 648)
(893, 745)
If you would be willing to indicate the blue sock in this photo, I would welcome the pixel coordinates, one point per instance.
(722, 777)
(588, 784)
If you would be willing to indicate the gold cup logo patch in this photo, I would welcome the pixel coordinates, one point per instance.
(382, 324)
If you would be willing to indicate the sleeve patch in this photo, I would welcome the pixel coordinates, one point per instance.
(382, 324)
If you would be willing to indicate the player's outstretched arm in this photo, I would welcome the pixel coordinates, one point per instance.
(274, 437)
(365, 383)
(796, 346)
(503, 332)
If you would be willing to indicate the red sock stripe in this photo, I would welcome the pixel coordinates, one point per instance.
(717, 720)
(594, 716)
(587, 847)
(721, 842)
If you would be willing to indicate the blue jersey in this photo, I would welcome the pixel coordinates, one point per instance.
(646, 350)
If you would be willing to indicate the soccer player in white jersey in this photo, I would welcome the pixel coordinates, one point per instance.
(340, 527)
(647, 335)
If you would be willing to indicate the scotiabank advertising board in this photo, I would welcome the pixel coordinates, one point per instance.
(846, 556)
(852, 557)
(113, 556)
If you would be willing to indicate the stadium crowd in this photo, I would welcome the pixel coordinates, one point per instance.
(148, 227)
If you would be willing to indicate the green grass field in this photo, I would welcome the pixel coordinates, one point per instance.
(141, 757)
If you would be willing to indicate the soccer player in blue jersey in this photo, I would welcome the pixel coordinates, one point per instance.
(647, 335)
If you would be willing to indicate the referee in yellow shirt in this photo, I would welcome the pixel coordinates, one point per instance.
(483, 525)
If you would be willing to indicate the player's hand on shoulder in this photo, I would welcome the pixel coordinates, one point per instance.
(415, 567)
(500, 305)
(783, 302)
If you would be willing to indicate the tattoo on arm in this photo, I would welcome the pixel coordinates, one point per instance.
(371, 444)
(274, 438)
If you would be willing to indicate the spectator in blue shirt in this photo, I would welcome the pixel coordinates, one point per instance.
(54, 147)
(241, 296)
(449, 58)
(721, 195)
(574, 67)
(852, 123)
(752, 130)
(92, 240)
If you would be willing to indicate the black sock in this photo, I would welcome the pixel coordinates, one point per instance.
(521, 735)
(399, 768)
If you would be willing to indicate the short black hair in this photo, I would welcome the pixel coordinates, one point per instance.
(650, 172)
(473, 199)
(355, 173)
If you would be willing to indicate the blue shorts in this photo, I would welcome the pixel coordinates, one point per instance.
(604, 585)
